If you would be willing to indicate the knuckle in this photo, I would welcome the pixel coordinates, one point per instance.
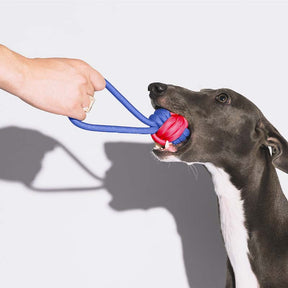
(81, 115)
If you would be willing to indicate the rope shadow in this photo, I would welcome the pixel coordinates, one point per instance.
(136, 180)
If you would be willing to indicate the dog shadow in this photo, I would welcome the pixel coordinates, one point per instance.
(21, 155)
(136, 180)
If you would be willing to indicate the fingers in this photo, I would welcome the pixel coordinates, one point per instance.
(79, 114)
(89, 89)
(78, 108)
(91, 81)
(96, 83)
(82, 115)
(84, 103)
(87, 105)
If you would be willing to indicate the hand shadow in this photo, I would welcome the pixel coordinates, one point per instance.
(22, 152)
(136, 180)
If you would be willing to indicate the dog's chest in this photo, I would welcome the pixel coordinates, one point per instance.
(233, 228)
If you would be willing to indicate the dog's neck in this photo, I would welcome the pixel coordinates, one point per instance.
(253, 214)
(235, 234)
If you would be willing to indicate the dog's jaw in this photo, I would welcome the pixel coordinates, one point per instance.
(171, 151)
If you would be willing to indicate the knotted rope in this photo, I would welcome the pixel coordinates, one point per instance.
(163, 125)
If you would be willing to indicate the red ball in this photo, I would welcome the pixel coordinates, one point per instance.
(171, 129)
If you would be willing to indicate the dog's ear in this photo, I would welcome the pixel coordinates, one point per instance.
(278, 144)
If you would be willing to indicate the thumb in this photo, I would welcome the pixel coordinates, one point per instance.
(97, 80)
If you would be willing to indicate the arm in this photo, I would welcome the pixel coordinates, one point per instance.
(56, 85)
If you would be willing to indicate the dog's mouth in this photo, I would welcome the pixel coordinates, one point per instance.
(169, 148)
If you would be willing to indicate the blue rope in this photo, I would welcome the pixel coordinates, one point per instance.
(152, 123)
(155, 121)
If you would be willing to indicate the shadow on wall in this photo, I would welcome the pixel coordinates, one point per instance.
(21, 155)
(137, 181)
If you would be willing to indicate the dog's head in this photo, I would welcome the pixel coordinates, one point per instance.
(224, 125)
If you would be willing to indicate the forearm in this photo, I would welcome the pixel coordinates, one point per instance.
(12, 70)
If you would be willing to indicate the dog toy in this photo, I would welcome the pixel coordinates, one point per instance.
(164, 126)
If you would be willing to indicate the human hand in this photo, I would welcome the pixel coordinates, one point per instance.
(60, 85)
(57, 85)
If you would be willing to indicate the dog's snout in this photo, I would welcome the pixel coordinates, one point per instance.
(157, 88)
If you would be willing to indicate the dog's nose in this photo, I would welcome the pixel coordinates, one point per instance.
(157, 88)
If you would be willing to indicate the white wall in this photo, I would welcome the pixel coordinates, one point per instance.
(76, 239)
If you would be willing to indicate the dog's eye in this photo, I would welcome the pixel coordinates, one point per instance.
(223, 98)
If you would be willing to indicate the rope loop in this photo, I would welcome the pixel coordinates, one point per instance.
(163, 125)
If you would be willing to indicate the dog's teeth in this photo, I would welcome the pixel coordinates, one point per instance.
(167, 144)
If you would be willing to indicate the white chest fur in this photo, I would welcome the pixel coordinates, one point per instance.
(233, 228)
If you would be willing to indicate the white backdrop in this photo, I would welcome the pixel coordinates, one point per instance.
(75, 239)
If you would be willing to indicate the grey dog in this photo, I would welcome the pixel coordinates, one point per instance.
(241, 149)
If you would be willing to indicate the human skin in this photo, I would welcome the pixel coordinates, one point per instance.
(57, 85)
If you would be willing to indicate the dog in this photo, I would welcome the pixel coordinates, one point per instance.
(241, 149)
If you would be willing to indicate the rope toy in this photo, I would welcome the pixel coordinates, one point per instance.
(163, 125)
